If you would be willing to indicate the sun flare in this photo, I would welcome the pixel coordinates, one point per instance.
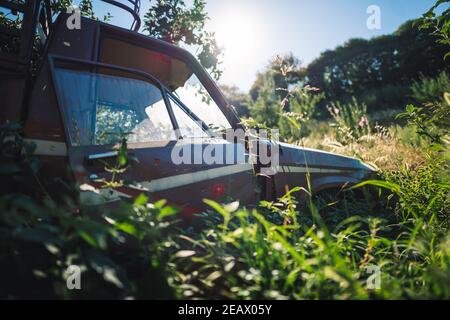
(238, 35)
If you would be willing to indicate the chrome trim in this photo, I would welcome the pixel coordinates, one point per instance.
(102, 155)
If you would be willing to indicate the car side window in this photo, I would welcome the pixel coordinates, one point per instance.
(100, 107)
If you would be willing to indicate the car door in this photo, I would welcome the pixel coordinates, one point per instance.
(103, 104)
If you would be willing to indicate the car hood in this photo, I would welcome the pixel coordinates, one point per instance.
(312, 158)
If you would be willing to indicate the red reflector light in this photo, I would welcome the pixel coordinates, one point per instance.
(218, 189)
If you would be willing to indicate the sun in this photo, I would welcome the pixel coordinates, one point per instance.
(239, 36)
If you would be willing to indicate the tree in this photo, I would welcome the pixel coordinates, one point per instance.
(432, 119)
(266, 108)
(371, 69)
(281, 82)
(169, 20)
(281, 100)
(440, 23)
(237, 98)
(174, 22)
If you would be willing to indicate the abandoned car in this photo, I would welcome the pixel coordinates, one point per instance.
(103, 78)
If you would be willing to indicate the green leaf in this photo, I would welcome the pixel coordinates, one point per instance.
(160, 203)
(379, 183)
(122, 155)
(126, 227)
(292, 277)
(225, 214)
(231, 207)
(437, 147)
(92, 232)
(447, 94)
(167, 211)
(213, 276)
(88, 238)
(410, 108)
(140, 200)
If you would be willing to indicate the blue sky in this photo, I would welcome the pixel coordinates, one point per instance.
(253, 31)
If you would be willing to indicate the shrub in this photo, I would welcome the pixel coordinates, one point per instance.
(350, 121)
(118, 252)
(432, 118)
(431, 89)
(297, 123)
(280, 251)
(266, 108)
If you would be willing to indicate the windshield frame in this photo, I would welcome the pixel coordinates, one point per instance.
(186, 109)
(176, 52)
(165, 92)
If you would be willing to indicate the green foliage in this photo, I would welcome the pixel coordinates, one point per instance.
(85, 6)
(432, 119)
(18, 170)
(119, 252)
(284, 102)
(431, 89)
(239, 100)
(284, 72)
(298, 247)
(382, 99)
(362, 68)
(440, 23)
(173, 21)
(281, 251)
(121, 163)
(266, 108)
(296, 123)
(424, 192)
(11, 22)
(408, 136)
(350, 121)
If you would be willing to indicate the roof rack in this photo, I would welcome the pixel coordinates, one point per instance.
(133, 10)
(37, 16)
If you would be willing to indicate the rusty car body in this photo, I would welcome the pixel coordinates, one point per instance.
(104, 75)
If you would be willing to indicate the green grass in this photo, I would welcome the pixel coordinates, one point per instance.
(323, 248)
(281, 252)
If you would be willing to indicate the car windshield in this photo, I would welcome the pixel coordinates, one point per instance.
(173, 73)
(198, 100)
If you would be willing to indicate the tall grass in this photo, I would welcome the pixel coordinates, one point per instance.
(350, 121)
(329, 247)
(259, 253)
(383, 239)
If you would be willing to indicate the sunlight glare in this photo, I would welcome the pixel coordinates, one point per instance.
(238, 35)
